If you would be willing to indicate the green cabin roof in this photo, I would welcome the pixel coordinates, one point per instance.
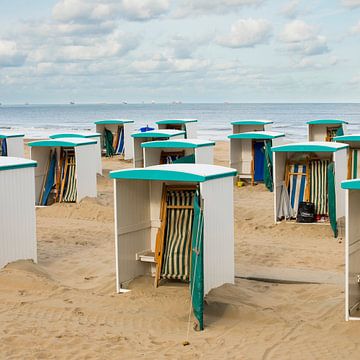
(326, 122)
(178, 143)
(10, 163)
(312, 146)
(175, 172)
(252, 122)
(76, 135)
(257, 135)
(351, 184)
(69, 142)
(347, 138)
(175, 121)
(6, 135)
(165, 133)
(113, 121)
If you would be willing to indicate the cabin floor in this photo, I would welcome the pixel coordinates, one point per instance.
(66, 305)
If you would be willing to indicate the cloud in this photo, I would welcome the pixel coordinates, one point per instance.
(201, 7)
(246, 33)
(304, 39)
(356, 28)
(291, 9)
(144, 9)
(351, 3)
(10, 55)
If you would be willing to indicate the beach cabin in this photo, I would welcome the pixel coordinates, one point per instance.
(325, 130)
(66, 170)
(152, 135)
(193, 151)
(86, 135)
(241, 126)
(11, 144)
(116, 137)
(176, 223)
(352, 249)
(187, 125)
(17, 220)
(353, 154)
(309, 175)
(250, 155)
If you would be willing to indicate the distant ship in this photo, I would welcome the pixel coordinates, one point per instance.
(72, 103)
(124, 102)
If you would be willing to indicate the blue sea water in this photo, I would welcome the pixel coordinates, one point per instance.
(214, 119)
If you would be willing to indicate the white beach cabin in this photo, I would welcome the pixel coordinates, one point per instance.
(352, 249)
(158, 135)
(241, 126)
(175, 222)
(66, 170)
(248, 153)
(17, 220)
(85, 135)
(310, 172)
(116, 137)
(353, 154)
(193, 151)
(325, 130)
(11, 144)
(187, 125)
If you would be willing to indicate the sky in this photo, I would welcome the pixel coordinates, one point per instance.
(87, 51)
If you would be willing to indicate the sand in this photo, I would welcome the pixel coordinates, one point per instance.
(65, 307)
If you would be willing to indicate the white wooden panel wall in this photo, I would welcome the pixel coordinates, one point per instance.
(15, 147)
(267, 127)
(97, 155)
(235, 154)
(352, 251)
(218, 232)
(340, 159)
(17, 215)
(151, 156)
(132, 228)
(279, 163)
(128, 130)
(86, 168)
(191, 130)
(317, 132)
(237, 129)
(138, 158)
(245, 157)
(204, 155)
(41, 155)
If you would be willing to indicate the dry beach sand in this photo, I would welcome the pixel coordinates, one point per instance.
(65, 307)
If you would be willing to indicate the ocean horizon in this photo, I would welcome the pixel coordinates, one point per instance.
(41, 120)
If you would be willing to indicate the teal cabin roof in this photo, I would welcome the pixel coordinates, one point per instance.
(165, 133)
(178, 143)
(351, 184)
(6, 135)
(347, 138)
(76, 135)
(326, 122)
(257, 135)
(313, 146)
(175, 121)
(10, 163)
(113, 121)
(252, 122)
(68, 142)
(175, 172)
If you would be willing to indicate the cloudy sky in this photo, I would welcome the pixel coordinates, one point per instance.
(56, 51)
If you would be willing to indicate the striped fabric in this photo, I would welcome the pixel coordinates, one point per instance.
(297, 185)
(319, 186)
(70, 187)
(355, 166)
(177, 241)
(119, 145)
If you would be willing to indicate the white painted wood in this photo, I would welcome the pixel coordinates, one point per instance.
(15, 147)
(279, 163)
(219, 263)
(17, 215)
(340, 160)
(204, 155)
(239, 129)
(86, 169)
(318, 132)
(191, 130)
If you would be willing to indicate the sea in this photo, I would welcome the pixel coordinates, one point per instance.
(39, 121)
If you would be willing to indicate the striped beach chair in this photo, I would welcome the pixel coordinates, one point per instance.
(319, 186)
(354, 164)
(297, 182)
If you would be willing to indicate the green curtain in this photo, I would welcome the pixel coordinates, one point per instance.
(340, 131)
(108, 142)
(197, 265)
(190, 159)
(268, 168)
(332, 198)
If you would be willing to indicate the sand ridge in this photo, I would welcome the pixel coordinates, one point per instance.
(65, 307)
